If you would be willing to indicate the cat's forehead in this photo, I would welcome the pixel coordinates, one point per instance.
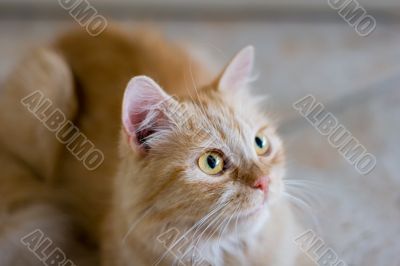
(226, 113)
(223, 125)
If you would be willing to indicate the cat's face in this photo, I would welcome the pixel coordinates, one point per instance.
(213, 156)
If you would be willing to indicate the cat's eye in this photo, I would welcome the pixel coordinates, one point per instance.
(211, 163)
(261, 144)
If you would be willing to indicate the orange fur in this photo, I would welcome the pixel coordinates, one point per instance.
(86, 77)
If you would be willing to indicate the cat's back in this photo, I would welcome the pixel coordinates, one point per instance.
(101, 67)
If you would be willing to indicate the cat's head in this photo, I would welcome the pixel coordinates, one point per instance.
(214, 151)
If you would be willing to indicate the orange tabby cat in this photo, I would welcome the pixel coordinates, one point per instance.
(195, 180)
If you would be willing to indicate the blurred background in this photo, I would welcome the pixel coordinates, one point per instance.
(302, 47)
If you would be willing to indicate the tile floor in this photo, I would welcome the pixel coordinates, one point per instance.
(356, 78)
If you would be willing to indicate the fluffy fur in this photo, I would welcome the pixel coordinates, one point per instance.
(150, 183)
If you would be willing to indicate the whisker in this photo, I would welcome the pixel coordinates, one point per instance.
(226, 226)
(193, 247)
(202, 108)
(136, 222)
(307, 195)
(305, 182)
(201, 221)
(304, 206)
(215, 220)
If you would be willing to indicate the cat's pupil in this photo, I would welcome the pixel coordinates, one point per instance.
(259, 142)
(211, 161)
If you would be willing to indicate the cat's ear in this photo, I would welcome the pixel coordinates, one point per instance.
(141, 112)
(238, 72)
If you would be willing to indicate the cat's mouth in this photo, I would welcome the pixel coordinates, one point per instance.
(254, 206)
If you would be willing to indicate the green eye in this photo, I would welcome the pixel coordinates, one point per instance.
(261, 144)
(211, 163)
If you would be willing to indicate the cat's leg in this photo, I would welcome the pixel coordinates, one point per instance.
(29, 151)
(40, 234)
(29, 215)
(41, 83)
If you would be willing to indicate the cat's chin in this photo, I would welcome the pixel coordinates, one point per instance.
(249, 221)
(253, 213)
(244, 223)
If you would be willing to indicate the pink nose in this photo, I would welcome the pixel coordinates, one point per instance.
(262, 184)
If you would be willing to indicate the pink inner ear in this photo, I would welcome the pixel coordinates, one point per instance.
(140, 111)
(238, 72)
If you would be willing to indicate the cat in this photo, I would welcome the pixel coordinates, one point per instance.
(193, 168)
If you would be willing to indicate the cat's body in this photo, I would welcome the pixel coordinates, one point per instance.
(86, 78)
